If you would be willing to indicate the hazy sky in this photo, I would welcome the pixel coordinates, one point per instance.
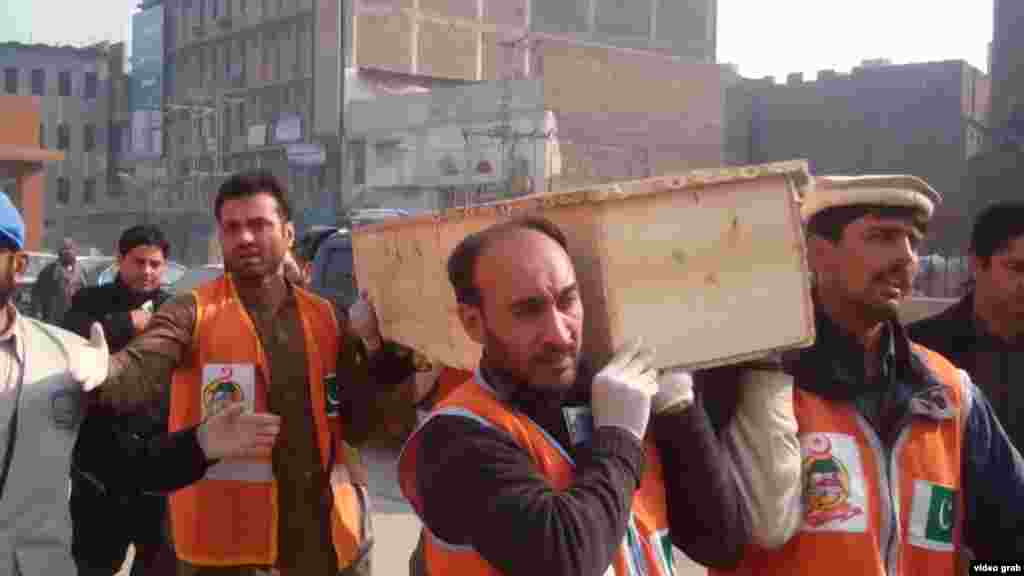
(762, 37)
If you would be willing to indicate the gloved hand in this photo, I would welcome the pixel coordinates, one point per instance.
(621, 392)
(675, 391)
(89, 365)
(362, 318)
(233, 433)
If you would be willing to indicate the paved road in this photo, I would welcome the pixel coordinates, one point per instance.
(396, 528)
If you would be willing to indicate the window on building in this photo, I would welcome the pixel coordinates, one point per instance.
(227, 60)
(11, 80)
(91, 85)
(39, 82)
(228, 125)
(116, 140)
(89, 137)
(357, 152)
(214, 53)
(300, 49)
(63, 136)
(115, 186)
(63, 191)
(201, 57)
(275, 65)
(564, 17)
(623, 19)
(89, 191)
(64, 83)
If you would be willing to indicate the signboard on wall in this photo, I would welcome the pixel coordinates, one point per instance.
(146, 86)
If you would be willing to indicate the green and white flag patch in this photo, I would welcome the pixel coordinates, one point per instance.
(932, 516)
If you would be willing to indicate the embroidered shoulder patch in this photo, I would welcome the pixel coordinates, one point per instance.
(833, 484)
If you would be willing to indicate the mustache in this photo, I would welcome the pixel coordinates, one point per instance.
(902, 272)
(555, 354)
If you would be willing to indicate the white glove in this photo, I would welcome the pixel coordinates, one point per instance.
(675, 391)
(89, 365)
(621, 393)
(762, 438)
(362, 318)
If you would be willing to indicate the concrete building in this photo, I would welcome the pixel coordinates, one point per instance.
(924, 119)
(473, 39)
(1007, 61)
(997, 174)
(73, 89)
(22, 163)
(570, 127)
(260, 82)
(451, 146)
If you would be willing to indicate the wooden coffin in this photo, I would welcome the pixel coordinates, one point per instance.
(709, 266)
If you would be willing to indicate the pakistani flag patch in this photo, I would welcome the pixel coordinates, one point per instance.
(331, 393)
(932, 516)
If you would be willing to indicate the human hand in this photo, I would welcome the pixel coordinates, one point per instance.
(363, 321)
(621, 393)
(89, 365)
(675, 391)
(140, 318)
(234, 433)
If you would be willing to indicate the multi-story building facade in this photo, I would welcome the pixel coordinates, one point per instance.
(74, 90)
(924, 119)
(1007, 62)
(258, 83)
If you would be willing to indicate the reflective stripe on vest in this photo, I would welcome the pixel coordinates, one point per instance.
(869, 512)
(229, 518)
(643, 551)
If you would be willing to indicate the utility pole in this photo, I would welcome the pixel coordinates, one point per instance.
(505, 134)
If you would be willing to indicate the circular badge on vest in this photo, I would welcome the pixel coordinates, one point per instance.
(826, 485)
(217, 395)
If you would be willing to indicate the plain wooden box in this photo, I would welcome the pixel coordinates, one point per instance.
(708, 266)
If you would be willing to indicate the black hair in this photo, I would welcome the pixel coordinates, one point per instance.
(462, 262)
(830, 223)
(994, 229)
(250, 183)
(8, 245)
(143, 235)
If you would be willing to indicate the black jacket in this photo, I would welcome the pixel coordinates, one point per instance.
(995, 366)
(481, 489)
(126, 454)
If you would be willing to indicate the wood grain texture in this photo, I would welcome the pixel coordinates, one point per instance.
(709, 267)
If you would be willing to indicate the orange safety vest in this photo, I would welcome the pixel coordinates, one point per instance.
(850, 487)
(229, 518)
(647, 537)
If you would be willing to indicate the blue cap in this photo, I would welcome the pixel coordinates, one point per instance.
(12, 227)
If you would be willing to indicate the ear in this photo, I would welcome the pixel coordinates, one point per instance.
(472, 322)
(817, 252)
(20, 263)
(977, 264)
(289, 233)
